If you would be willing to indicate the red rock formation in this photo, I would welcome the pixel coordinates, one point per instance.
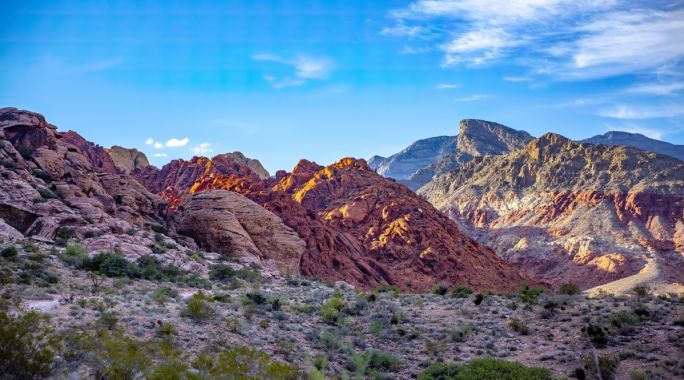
(358, 226)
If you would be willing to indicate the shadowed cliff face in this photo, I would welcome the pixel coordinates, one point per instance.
(571, 212)
(358, 226)
(422, 160)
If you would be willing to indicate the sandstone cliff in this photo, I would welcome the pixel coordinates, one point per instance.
(571, 212)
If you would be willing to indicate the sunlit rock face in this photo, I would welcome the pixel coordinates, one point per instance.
(571, 212)
(358, 227)
(424, 159)
(128, 159)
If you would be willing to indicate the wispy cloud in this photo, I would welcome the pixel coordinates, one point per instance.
(305, 68)
(656, 88)
(202, 148)
(448, 86)
(160, 155)
(567, 39)
(517, 78)
(625, 112)
(472, 98)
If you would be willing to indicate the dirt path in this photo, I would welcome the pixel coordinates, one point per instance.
(646, 276)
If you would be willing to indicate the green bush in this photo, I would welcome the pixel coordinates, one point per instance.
(461, 291)
(607, 366)
(225, 273)
(158, 228)
(25, 151)
(623, 318)
(529, 295)
(519, 326)
(197, 308)
(27, 346)
(9, 252)
(75, 255)
(596, 334)
(641, 290)
(440, 289)
(331, 309)
(569, 289)
(115, 356)
(64, 233)
(244, 363)
(485, 368)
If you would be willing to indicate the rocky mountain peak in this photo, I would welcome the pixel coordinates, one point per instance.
(481, 138)
(251, 163)
(128, 159)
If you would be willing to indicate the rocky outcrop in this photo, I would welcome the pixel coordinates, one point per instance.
(422, 160)
(569, 212)
(128, 159)
(229, 223)
(358, 226)
(254, 165)
(638, 141)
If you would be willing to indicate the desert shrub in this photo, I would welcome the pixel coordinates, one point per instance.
(42, 175)
(622, 318)
(9, 252)
(27, 346)
(485, 368)
(569, 289)
(151, 269)
(607, 365)
(158, 229)
(440, 289)
(75, 255)
(330, 309)
(479, 297)
(225, 273)
(254, 298)
(162, 293)
(641, 290)
(174, 370)
(108, 320)
(529, 295)
(8, 164)
(198, 308)
(166, 329)
(111, 265)
(115, 356)
(461, 333)
(596, 334)
(25, 151)
(244, 363)
(519, 326)
(461, 291)
(64, 233)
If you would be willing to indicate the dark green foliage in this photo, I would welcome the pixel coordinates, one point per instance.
(150, 268)
(225, 273)
(623, 318)
(331, 309)
(529, 295)
(641, 290)
(64, 233)
(244, 363)
(158, 229)
(485, 368)
(519, 326)
(254, 298)
(461, 291)
(596, 334)
(42, 175)
(27, 346)
(569, 289)
(75, 255)
(197, 308)
(146, 267)
(8, 164)
(479, 297)
(25, 151)
(607, 366)
(440, 289)
(9, 252)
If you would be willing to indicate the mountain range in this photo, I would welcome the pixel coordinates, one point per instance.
(499, 208)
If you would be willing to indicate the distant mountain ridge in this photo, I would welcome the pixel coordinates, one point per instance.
(566, 211)
(420, 161)
(639, 141)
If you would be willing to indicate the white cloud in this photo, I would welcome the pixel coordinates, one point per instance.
(567, 39)
(625, 112)
(160, 155)
(517, 79)
(149, 141)
(472, 98)
(656, 88)
(202, 148)
(403, 30)
(177, 143)
(448, 86)
(305, 68)
(158, 145)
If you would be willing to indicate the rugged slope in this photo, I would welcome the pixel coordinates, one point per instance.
(422, 160)
(571, 212)
(639, 141)
(358, 226)
(127, 159)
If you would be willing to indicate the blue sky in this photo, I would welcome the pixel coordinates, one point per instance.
(284, 80)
